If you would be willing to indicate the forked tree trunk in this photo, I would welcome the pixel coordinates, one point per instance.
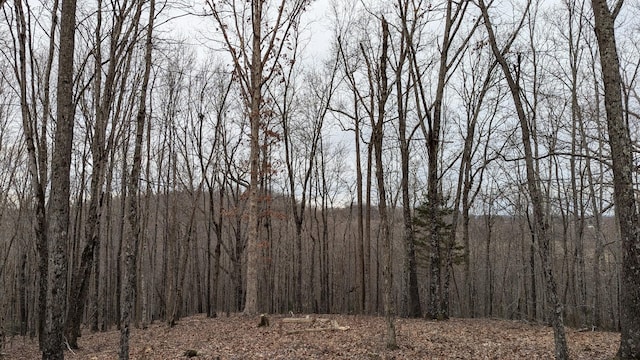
(252, 75)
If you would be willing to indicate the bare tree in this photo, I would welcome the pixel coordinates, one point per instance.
(477, 82)
(378, 83)
(302, 115)
(211, 166)
(58, 213)
(430, 113)
(541, 223)
(129, 288)
(122, 36)
(623, 165)
(255, 52)
(408, 26)
(35, 129)
(349, 63)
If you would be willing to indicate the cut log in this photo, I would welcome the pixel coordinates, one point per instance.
(326, 325)
(340, 328)
(305, 319)
(264, 321)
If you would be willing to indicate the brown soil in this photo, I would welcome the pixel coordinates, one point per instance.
(239, 337)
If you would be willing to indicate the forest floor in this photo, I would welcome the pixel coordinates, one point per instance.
(239, 337)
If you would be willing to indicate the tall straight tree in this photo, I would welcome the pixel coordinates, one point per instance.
(212, 167)
(350, 63)
(256, 52)
(60, 187)
(623, 167)
(541, 223)
(408, 29)
(131, 253)
(36, 137)
(378, 83)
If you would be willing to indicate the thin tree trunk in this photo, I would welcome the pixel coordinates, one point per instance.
(540, 220)
(377, 140)
(99, 150)
(361, 246)
(23, 295)
(37, 151)
(216, 257)
(412, 294)
(131, 253)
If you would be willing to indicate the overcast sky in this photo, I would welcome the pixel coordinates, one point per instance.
(198, 28)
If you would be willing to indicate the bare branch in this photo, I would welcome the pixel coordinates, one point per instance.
(616, 9)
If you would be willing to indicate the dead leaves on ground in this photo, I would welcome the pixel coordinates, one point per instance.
(358, 337)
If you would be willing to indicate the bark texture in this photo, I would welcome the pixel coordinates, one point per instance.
(60, 188)
(377, 137)
(129, 287)
(622, 158)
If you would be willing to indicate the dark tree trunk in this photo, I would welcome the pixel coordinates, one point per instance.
(361, 246)
(60, 187)
(37, 152)
(623, 167)
(23, 295)
(213, 269)
(377, 137)
(410, 277)
(129, 288)
(99, 151)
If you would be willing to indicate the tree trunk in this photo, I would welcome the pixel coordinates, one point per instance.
(377, 137)
(104, 101)
(60, 187)
(540, 219)
(250, 72)
(212, 312)
(37, 151)
(23, 295)
(213, 269)
(133, 241)
(363, 266)
(410, 277)
(623, 188)
(255, 103)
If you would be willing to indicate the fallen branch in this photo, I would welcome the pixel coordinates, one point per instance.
(306, 319)
(327, 325)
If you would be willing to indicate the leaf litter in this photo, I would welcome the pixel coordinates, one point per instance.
(356, 337)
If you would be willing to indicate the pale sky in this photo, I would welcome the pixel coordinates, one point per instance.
(197, 28)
